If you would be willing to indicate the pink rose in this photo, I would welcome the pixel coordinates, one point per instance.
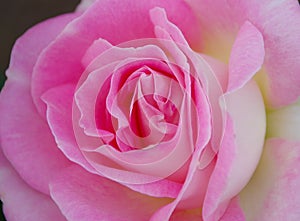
(155, 110)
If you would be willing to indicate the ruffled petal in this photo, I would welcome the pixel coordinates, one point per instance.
(20, 201)
(59, 115)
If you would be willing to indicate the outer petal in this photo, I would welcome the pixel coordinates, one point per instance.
(25, 138)
(285, 122)
(278, 21)
(21, 202)
(241, 148)
(59, 117)
(247, 56)
(273, 192)
(87, 197)
(233, 212)
(26, 50)
(115, 21)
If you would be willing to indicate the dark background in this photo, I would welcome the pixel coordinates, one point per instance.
(16, 16)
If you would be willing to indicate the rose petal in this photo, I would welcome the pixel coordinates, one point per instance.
(20, 201)
(60, 120)
(233, 211)
(273, 192)
(194, 178)
(61, 62)
(59, 102)
(26, 51)
(278, 21)
(163, 159)
(241, 148)
(191, 194)
(26, 139)
(213, 78)
(284, 122)
(190, 215)
(96, 76)
(247, 56)
(96, 49)
(87, 197)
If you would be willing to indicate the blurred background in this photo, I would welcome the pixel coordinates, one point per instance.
(16, 16)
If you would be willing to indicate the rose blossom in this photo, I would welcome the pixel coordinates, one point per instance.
(155, 110)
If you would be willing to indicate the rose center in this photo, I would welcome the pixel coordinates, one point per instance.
(144, 110)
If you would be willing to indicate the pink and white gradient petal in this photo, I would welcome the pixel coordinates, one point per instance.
(241, 147)
(278, 21)
(284, 122)
(233, 212)
(246, 57)
(20, 201)
(273, 192)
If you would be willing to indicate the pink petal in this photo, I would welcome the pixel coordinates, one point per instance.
(162, 160)
(21, 202)
(59, 116)
(210, 72)
(96, 75)
(247, 56)
(190, 215)
(87, 197)
(278, 22)
(26, 139)
(241, 148)
(233, 212)
(59, 102)
(194, 178)
(96, 49)
(26, 51)
(162, 188)
(193, 190)
(107, 19)
(273, 192)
